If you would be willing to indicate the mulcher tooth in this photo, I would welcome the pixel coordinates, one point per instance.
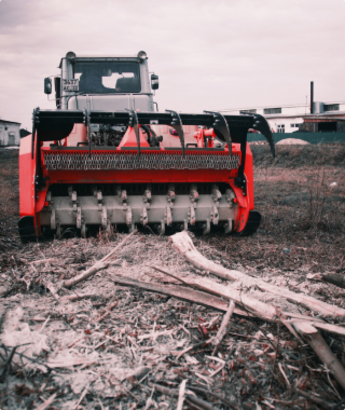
(168, 216)
(230, 196)
(215, 215)
(171, 194)
(191, 215)
(148, 194)
(124, 196)
(104, 217)
(74, 198)
(78, 220)
(194, 195)
(129, 216)
(216, 195)
(144, 217)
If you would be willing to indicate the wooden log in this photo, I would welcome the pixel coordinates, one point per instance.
(324, 309)
(183, 244)
(179, 292)
(320, 347)
(254, 306)
(337, 280)
(212, 287)
(336, 330)
(333, 278)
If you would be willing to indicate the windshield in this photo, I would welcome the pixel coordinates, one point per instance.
(107, 77)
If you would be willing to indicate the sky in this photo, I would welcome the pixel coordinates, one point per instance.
(209, 54)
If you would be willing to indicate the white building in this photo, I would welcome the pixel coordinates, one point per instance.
(292, 118)
(9, 133)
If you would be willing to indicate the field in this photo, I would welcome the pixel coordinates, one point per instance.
(128, 341)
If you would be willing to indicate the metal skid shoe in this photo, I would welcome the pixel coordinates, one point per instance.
(161, 227)
(129, 219)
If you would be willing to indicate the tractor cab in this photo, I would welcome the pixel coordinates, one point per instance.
(104, 83)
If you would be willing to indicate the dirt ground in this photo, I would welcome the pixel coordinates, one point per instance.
(120, 347)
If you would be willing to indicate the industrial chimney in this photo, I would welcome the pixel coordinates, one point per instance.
(312, 97)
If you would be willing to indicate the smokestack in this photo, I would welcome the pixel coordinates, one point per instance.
(312, 97)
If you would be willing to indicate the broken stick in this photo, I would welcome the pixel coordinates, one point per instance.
(47, 403)
(99, 265)
(223, 327)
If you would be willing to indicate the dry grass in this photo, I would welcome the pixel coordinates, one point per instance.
(297, 156)
(302, 231)
(9, 202)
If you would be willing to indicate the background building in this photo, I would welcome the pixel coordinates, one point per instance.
(9, 133)
(326, 117)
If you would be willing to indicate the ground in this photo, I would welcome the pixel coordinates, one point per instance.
(111, 348)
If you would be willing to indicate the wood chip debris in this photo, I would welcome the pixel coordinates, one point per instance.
(123, 336)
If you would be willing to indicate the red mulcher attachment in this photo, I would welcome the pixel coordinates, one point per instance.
(83, 169)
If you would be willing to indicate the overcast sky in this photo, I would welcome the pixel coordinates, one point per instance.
(209, 55)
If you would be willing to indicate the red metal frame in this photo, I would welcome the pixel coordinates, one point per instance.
(32, 201)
